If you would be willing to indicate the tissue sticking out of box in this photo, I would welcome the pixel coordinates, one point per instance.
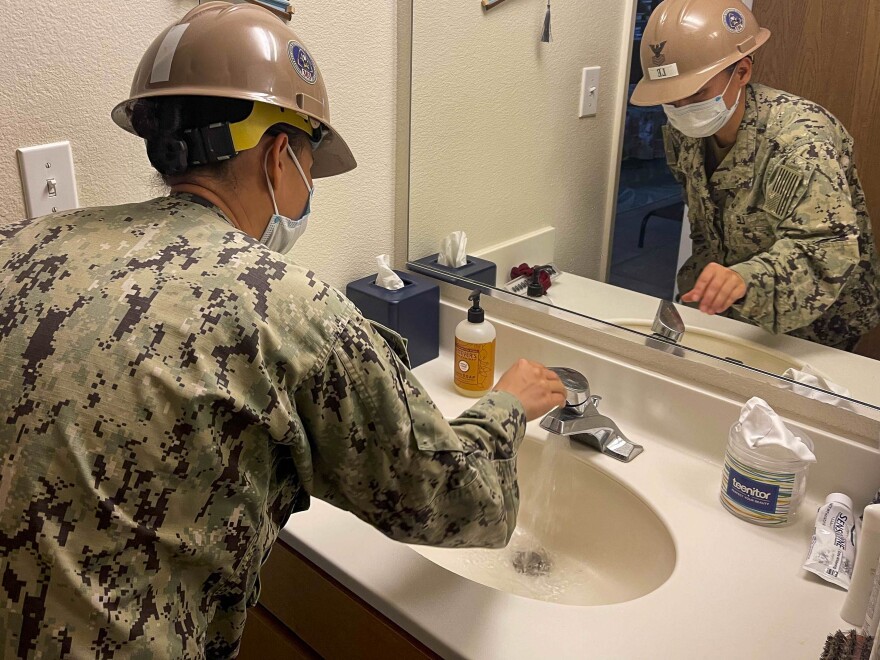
(387, 278)
(453, 250)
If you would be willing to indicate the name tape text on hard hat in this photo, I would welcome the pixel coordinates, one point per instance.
(665, 71)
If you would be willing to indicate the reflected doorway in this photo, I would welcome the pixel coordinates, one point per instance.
(650, 206)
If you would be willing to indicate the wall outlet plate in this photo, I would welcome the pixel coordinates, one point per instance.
(48, 181)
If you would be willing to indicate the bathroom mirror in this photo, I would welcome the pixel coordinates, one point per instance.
(498, 151)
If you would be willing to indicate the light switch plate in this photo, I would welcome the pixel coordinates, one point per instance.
(589, 91)
(44, 169)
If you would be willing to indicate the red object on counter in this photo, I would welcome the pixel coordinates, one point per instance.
(527, 271)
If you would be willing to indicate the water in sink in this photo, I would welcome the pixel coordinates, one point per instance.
(528, 553)
(566, 578)
(526, 567)
(582, 538)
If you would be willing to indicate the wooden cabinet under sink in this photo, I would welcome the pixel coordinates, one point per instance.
(304, 613)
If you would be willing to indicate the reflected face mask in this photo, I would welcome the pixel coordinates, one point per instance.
(700, 120)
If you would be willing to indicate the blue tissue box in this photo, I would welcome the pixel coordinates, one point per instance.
(475, 269)
(413, 311)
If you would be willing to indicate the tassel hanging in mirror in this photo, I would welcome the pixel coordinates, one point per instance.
(545, 33)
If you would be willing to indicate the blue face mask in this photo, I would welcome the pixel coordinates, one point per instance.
(282, 232)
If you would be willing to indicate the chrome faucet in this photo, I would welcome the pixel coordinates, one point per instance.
(581, 420)
(668, 328)
(668, 323)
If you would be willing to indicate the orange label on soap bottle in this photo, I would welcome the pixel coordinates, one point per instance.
(474, 365)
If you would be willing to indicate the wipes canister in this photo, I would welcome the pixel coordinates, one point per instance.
(764, 478)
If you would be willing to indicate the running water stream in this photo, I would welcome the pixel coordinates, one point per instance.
(529, 565)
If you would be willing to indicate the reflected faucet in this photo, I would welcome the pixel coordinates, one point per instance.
(668, 323)
(581, 420)
(668, 328)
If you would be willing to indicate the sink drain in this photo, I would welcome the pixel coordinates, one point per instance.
(532, 562)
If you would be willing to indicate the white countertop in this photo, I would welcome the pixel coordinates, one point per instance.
(737, 590)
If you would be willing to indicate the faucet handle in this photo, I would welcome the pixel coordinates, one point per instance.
(577, 387)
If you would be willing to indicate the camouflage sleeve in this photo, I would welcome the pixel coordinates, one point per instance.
(672, 148)
(816, 241)
(700, 255)
(383, 451)
(699, 259)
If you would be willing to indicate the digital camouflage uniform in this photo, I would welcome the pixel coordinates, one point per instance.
(173, 391)
(785, 210)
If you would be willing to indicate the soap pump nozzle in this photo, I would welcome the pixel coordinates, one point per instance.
(475, 313)
(536, 289)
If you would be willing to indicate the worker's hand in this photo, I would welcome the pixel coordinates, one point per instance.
(716, 289)
(537, 388)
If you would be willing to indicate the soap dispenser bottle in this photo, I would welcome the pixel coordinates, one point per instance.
(474, 352)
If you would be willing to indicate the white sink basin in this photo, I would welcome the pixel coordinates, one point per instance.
(594, 542)
(723, 345)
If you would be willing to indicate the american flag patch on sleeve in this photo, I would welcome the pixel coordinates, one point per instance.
(783, 189)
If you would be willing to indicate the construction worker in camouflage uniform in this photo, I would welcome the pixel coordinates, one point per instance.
(780, 230)
(175, 387)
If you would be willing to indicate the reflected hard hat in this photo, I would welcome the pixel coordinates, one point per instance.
(241, 52)
(688, 42)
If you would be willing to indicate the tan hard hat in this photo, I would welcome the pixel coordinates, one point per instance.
(688, 42)
(242, 52)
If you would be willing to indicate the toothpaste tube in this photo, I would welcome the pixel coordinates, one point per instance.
(833, 549)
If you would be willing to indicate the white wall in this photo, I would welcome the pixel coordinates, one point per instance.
(65, 65)
(497, 147)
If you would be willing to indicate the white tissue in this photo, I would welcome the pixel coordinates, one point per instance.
(808, 376)
(761, 428)
(387, 278)
(453, 250)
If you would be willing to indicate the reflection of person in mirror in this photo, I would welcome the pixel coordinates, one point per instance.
(780, 229)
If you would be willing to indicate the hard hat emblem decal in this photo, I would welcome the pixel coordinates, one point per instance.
(659, 58)
(302, 62)
(734, 21)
